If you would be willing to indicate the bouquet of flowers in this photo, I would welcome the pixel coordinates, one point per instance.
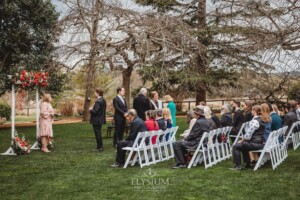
(21, 145)
(33, 79)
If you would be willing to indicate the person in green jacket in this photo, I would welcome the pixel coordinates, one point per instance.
(171, 105)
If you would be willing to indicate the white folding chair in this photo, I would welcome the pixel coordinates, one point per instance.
(213, 148)
(152, 147)
(218, 146)
(224, 145)
(273, 149)
(169, 139)
(293, 135)
(239, 136)
(164, 148)
(136, 150)
(199, 153)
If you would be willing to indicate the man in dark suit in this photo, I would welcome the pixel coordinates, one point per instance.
(120, 106)
(290, 117)
(142, 104)
(136, 125)
(238, 118)
(98, 117)
(192, 140)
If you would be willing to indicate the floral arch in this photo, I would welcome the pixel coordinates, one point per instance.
(27, 80)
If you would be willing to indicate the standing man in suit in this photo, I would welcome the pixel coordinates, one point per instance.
(136, 125)
(238, 118)
(142, 104)
(98, 117)
(120, 106)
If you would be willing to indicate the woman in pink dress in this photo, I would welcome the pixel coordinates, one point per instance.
(46, 119)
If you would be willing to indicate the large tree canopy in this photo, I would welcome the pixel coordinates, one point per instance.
(233, 36)
(27, 29)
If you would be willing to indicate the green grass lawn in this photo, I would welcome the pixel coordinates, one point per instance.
(24, 118)
(74, 170)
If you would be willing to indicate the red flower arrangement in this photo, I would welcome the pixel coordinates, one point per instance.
(33, 79)
(20, 145)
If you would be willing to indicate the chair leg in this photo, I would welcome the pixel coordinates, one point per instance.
(128, 159)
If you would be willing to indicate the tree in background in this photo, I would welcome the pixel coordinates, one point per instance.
(28, 33)
(102, 36)
(294, 92)
(260, 36)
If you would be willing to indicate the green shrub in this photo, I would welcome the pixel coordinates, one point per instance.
(67, 108)
(5, 111)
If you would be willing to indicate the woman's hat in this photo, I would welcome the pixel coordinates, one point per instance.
(199, 110)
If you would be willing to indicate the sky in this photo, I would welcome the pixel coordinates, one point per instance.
(129, 4)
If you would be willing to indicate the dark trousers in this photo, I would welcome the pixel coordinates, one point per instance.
(122, 153)
(179, 151)
(244, 147)
(97, 131)
(119, 130)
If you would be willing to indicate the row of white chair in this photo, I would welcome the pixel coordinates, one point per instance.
(213, 148)
(151, 147)
(293, 135)
(275, 148)
(157, 146)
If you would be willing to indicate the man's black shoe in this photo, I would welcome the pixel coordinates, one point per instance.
(177, 166)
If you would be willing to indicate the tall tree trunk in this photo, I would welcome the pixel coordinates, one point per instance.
(201, 59)
(92, 61)
(126, 74)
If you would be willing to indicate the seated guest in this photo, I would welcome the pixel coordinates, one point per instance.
(161, 123)
(167, 117)
(207, 114)
(248, 111)
(252, 140)
(151, 124)
(290, 117)
(226, 119)
(265, 116)
(216, 119)
(160, 120)
(136, 125)
(275, 108)
(190, 119)
(192, 140)
(276, 119)
(238, 119)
